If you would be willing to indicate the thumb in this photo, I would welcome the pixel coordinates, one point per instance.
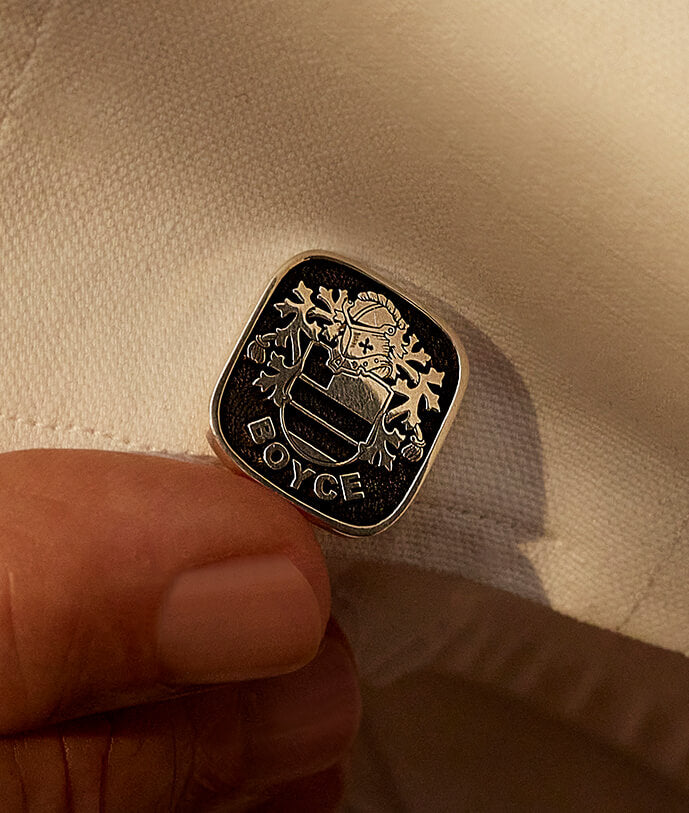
(126, 577)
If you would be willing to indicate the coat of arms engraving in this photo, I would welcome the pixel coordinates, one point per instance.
(350, 378)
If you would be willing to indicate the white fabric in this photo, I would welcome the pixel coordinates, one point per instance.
(522, 167)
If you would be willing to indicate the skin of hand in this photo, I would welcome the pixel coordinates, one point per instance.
(165, 641)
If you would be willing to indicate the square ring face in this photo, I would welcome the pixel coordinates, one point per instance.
(339, 394)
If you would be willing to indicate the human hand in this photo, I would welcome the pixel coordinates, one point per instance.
(152, 616)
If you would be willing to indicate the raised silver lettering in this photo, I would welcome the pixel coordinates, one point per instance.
(300, 475)
(325, 486)
(262, 431)
(276, 456)
(351, 486)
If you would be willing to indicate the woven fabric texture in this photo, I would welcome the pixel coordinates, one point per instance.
(522, 167)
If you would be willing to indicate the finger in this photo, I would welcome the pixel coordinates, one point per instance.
(123, 575)
(322, 792)
(230, 748)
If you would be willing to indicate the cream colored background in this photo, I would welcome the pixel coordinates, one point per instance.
(524, 164)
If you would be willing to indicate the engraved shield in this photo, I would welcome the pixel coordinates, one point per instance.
(329, 415)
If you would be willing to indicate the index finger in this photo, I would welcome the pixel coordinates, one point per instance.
(125, 577)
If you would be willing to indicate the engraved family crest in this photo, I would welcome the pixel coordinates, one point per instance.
(337, 380)
(350, 378)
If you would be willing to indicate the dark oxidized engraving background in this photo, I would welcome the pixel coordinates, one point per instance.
(386, 479)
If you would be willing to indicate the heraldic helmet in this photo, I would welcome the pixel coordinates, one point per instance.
(371, 335)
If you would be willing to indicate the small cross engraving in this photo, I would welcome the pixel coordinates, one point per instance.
(366, 346)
